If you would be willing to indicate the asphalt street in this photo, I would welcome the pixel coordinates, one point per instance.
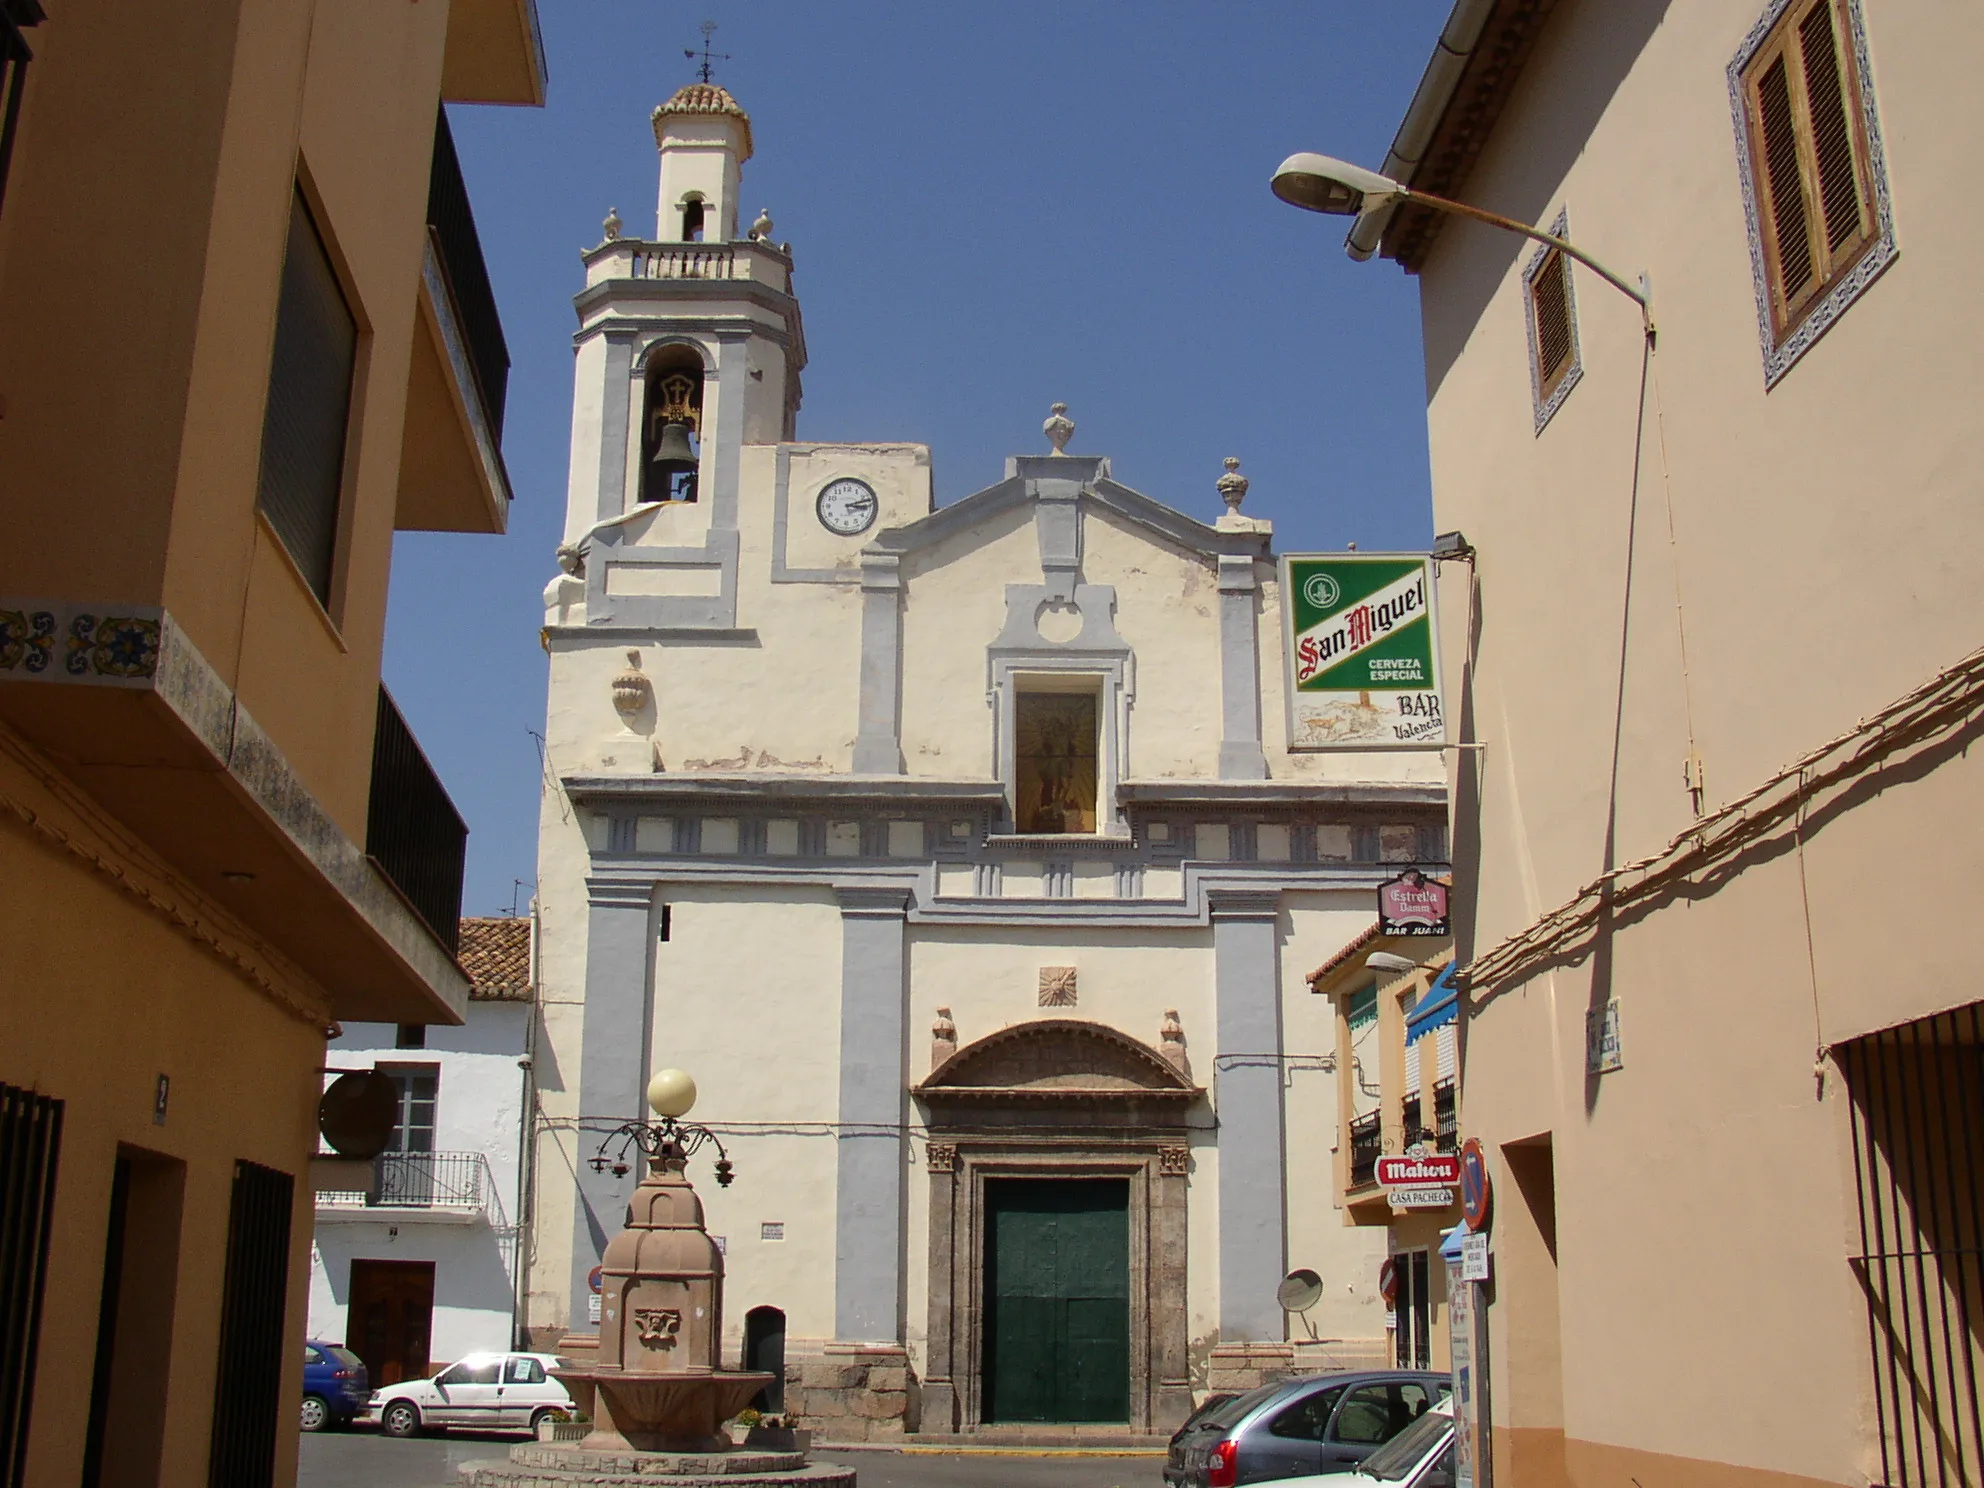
(364, 1459)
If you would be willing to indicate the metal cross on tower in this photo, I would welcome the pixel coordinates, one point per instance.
(708, 56)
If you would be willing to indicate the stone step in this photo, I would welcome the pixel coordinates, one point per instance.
(544, 1465)
(1044, 1438)
(516, 1475)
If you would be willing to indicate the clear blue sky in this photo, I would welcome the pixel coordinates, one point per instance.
(991, 206)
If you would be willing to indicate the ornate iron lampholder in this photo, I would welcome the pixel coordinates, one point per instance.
(668, 1141)
(661, 1141)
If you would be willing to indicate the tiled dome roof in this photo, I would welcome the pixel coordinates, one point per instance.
(704, 98)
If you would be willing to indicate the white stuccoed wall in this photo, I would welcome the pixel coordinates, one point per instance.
(480, 1110)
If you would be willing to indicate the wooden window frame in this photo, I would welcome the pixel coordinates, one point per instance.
(1790, 322)
(1548, 389)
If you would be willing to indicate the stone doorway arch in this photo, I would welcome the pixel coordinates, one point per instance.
(1057, 1098)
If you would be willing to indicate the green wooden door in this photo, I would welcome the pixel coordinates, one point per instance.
(1057, 1299)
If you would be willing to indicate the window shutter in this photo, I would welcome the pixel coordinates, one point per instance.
(303, 427)
(1790, 230)
(1553, 322)
(1832, 129)
(1814, 176)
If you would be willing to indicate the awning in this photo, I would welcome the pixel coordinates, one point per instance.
(1450, 1244)
(1442, 1005)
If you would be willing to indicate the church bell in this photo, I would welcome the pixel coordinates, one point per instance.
(674, 463)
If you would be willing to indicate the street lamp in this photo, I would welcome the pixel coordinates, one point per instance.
(1336, 188)
(671, 1093)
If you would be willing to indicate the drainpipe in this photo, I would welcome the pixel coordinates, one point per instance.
(1458, 39)
(526, 1153)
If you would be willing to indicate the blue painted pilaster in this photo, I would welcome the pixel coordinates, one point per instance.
(869, 1228)
(613, 1061)
(1253, 1250)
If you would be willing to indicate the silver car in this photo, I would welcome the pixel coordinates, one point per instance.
(1299, 1427)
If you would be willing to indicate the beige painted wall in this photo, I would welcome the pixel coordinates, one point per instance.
(106, 992)
(1817, 541)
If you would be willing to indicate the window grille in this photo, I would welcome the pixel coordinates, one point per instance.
(248, 1399)
(30, 1140)
(1917, 1095)
(1815, 185)
(304, 423)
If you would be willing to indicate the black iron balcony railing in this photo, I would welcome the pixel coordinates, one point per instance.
(412, 830)
(1410, 1126)
(1446, 1117)
(451, 223)
(1364, 1144)
(14, 59)
(456, 1182)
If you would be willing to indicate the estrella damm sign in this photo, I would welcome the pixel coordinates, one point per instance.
(1361, 650)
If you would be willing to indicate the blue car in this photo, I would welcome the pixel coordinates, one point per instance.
(335, 1386)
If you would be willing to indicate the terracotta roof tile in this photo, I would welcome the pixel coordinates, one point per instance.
(704, 98)
(1357, 944)
(496, 955)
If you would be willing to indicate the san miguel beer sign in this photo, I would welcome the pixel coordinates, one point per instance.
(1363, 662)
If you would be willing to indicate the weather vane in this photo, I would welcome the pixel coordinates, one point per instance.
(708, 56)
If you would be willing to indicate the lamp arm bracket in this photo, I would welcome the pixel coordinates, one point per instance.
(1640, 294)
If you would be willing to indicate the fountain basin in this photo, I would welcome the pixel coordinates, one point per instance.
(663, 1410)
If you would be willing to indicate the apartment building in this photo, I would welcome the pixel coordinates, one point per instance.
(247, 335)
(1715, 664)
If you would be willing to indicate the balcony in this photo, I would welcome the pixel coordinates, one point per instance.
(1446, 1117)
(452, 476)
(413, 834)
(1365, 1142)
(1409, 1126)
(439, 1187)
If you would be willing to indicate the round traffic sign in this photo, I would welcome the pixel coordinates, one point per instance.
(1388, 1280)
(596, 1278)
(1476, 1192)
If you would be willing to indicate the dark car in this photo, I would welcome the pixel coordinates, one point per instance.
(335, 1387)
(1320, 1423)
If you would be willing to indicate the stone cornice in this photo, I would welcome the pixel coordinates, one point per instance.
(790, 791)
(1245, 793)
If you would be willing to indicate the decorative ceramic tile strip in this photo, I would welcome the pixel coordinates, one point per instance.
(67, 642)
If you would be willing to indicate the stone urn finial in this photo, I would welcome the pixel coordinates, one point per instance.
(1171, 1040)
(943, 1038)
(631, 689)
(761, 230)
(1232, 485)
(1059, 428)
(611, 226)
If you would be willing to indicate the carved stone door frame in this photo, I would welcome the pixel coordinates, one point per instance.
(961, 1165)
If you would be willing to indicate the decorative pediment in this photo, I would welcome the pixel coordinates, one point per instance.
(1057, 1059)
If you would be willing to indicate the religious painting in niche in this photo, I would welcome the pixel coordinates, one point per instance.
(1054, 752)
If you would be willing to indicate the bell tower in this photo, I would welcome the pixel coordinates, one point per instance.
(690, 348)
(704, 139)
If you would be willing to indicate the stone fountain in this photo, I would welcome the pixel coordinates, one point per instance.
(658, 1394)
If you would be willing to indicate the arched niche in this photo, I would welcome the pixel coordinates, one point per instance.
(694, 216)
(673, 376)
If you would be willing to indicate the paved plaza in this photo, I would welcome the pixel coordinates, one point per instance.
(364, 1459)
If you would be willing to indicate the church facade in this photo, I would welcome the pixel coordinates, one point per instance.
(959, 854)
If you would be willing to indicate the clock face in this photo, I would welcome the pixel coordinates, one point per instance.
(847, 506)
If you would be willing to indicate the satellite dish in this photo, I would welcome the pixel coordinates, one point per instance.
(358, 1113)
(1299, 1290)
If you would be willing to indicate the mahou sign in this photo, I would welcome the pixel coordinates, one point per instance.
(1412, 904)
(1439, 1169)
